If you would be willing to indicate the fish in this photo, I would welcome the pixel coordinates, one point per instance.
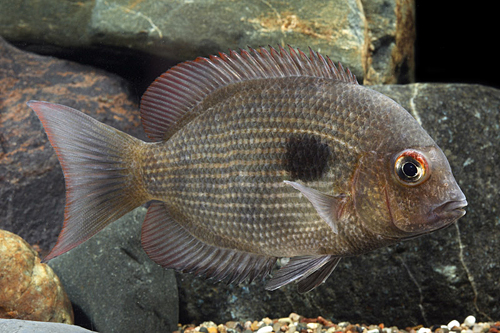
(256, 155)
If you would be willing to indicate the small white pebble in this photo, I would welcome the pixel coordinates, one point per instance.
(285, 320)
(294, 317)
(453, 323)
(470, 320)
(477, 328)
(373, 331)
(266, 321)
(424, 330)
(312, 325)
(265, 329)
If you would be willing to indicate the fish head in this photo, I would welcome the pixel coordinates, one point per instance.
(407, 193)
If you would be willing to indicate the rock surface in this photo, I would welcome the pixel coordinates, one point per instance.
(447, 274)
(374, 39)
(31, 182)
(26, 326)
(29, 289)
(114, 286)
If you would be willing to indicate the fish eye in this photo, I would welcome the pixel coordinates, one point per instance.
(411, 168)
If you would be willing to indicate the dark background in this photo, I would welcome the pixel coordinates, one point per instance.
(457, 41)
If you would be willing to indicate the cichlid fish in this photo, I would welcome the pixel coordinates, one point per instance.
(256, 155)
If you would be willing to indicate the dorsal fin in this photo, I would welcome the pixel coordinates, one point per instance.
(176, 92)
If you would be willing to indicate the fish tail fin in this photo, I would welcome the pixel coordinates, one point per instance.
(102, 183)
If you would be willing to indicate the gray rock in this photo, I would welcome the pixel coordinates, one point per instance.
(451, 273)
(111, 281)
(372, 39)
(27, 326)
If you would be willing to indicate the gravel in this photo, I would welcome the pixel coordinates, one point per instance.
(299, 324)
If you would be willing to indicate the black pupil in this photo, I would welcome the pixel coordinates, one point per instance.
(410, 170)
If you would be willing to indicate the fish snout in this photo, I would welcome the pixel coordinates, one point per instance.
(451, 210)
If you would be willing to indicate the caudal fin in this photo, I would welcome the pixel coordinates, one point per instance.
(96, 160)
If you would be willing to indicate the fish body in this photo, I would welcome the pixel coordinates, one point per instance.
(256, 155)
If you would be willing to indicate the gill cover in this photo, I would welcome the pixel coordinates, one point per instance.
(403, 194)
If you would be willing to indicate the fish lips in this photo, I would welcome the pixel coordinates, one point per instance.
(440, 217)
(446, 213)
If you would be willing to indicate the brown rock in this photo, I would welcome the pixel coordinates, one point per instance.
(29, 290)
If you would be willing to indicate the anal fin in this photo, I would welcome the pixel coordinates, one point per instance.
(170, 245)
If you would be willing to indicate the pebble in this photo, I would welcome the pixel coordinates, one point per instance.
(265, 329)
(424, 330)
(477, 328)
(294, 317)
(444, 329)
(255, 326)
(208, 324)
(267, 321)
(235, 325)
(470, 321)
(298, 324)
(452, 324)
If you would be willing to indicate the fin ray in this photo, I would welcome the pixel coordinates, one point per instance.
(170, 245)
(327, 206)
(316, 278)
(176, 93)
(308, 271)
(93, 157)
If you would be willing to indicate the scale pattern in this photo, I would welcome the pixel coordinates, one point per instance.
(222, 174)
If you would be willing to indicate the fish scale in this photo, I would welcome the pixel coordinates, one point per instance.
(249, 123)
(256, 155)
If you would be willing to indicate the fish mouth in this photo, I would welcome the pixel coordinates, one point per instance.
(451, 210)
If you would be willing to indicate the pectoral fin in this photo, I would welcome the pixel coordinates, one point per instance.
(328, 207)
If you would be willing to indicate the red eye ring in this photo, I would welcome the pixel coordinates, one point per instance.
(411, 168)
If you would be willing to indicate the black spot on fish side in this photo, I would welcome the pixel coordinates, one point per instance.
(306, 157)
